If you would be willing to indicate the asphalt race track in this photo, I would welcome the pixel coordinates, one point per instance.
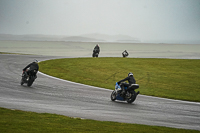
(51, 95)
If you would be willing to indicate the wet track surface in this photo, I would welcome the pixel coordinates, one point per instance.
(51, 95)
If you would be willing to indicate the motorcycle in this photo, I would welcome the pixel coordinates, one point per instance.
(129, 96)
(95, 53)
(125, 54)
(28, 77)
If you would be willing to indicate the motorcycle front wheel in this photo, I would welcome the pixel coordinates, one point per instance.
(113, 96)
(22, 82)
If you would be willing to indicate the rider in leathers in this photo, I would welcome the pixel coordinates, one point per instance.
(125, 53)
(131, 80)
(96, 49)
(32, 66)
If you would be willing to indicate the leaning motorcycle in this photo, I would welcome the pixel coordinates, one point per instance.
(125, 54)
(28, 77)
(129, 96)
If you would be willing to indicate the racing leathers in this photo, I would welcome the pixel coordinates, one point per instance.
(125, 53)
(96, 49)
(131, 80)
(32, 66)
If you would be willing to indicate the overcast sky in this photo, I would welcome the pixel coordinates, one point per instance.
(143, 19)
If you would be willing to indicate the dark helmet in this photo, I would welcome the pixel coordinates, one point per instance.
(129, 74)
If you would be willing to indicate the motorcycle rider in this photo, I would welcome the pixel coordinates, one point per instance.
(131, 80)
(96, 49)
(32, 66)
(125, 53)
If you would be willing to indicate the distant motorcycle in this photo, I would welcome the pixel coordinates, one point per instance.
(95, 53)
(130, 95)
(28, 77)
(125, 53)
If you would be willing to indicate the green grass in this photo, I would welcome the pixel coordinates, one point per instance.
(15, 121)
(169, 78)
(13, 53)
(178, 79)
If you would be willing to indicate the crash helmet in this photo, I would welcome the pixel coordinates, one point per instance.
(36, 61)
(129, 74)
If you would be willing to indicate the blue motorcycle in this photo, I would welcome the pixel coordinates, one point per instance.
(129, 96)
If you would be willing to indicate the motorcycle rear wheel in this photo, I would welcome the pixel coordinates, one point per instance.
(132, 97)
(30, 82)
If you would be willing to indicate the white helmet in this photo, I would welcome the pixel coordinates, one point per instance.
(36, 61)
(129, 74)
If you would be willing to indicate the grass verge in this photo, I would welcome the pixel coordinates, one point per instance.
(15, 121)
(168, 78)
(13, 53)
